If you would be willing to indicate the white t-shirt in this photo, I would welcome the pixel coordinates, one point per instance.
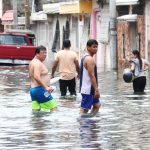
(139, 72)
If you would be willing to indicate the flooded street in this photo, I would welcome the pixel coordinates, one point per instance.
(123, 122)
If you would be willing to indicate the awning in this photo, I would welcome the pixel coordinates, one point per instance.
(126, 2)
(51, 8)
(69, 7)
(8, 16)
(21, 21)
(129, 18)
(38, 16)
(61, 8)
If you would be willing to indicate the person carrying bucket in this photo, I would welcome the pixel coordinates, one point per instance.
(138, 67)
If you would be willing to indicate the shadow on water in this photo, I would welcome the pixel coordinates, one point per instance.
(122, 124)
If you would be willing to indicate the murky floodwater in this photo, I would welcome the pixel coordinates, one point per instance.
(122, 124)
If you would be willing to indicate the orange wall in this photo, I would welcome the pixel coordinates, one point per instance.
(86, 6)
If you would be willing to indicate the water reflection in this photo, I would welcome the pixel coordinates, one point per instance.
(89, 131)
(39, 129)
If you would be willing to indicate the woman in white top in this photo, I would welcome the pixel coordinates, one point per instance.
(138, 66)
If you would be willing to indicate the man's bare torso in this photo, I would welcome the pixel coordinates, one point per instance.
(35, 63)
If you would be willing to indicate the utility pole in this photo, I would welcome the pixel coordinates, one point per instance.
(27, 14)
(113, 33)
(15, 14)
(33, 6)
(1, 8)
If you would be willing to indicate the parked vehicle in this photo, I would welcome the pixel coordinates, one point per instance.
(17, 46)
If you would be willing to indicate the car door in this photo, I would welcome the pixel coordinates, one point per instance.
(8, 49)
(24, 49)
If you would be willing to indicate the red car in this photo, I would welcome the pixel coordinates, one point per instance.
(16, 47)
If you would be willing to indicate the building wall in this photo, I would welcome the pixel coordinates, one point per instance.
(45, 33)
(1, 8)
(148, 30)
(99, 31)
(7, 5)
(85, 6)
(123, 28)
(141, 30)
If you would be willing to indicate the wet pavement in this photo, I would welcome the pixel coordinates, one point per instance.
(122, 124)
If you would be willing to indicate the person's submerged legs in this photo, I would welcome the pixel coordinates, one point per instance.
(63, 87)
(72, 86)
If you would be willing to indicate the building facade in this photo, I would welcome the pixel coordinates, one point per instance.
(63, 20)
(132, 29)
(55, 20)
(100, 31)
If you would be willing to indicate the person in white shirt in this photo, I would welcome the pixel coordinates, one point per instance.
(89, 81)
(138, 67)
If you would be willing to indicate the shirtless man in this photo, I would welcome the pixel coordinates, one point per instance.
(40, 90)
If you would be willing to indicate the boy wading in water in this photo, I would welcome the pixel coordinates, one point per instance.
(88, 80)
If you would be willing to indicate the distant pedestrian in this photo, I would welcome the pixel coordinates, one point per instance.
(40, 90)
(138, 67)
(68, 68)
(88, 80)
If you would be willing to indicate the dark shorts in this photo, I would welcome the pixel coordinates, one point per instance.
(88, 101)
(67, 84)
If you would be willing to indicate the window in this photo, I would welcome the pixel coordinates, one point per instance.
(13, 40)
(133, 35)
(123, 45)
(32, 39)
(139, 9)
(123, 10)
(139, 42)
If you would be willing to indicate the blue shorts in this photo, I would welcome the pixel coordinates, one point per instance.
(88, 101)
(40, 95)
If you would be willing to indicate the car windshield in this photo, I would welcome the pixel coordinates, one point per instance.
(13, 40)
